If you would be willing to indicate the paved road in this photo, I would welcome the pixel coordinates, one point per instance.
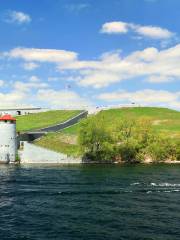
(33, 135)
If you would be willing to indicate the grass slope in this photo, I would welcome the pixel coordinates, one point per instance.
(59, 142)
(44, 119)
(164, 120)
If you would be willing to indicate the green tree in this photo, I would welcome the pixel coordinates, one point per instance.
(95, 140)
(127, 140)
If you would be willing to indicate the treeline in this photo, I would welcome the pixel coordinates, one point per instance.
(128, 140)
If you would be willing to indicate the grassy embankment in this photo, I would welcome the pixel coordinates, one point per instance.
(44, 119)
(165, 121)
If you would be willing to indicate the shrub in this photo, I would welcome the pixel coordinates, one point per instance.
(161, 149)
(95, 140)
(129, 151)
(128, 140)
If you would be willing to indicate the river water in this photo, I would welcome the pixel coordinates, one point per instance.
(97, 202)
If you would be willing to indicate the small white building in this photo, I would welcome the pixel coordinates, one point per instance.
(8, 146)
(21, 111)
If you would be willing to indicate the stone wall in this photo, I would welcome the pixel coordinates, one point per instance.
(31, 153)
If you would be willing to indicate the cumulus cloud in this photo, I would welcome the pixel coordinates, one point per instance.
(34, 79)
(28, 86)
(41, 55)
(17, 17)
(115, 27)
(12, 99)
(1, 83)
(62, 99)
(151, 64)
(29, 66)
(32, 85)
(160, 79)
(147, 97)
(21, 95)
(120, 27)
(153, 32)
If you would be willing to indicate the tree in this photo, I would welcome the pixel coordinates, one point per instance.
(95, 140)
(127, 140)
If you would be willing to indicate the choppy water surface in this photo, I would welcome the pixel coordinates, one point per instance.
(90, 202)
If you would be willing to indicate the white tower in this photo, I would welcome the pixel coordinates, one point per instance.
(7, 139)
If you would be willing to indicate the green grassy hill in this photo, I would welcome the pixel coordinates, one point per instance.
(163, 120)
(44, 119)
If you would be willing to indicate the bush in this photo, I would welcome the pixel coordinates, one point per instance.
(128, 140)
(161, 149)
(95, 140)
(178, 150)
(129, 151)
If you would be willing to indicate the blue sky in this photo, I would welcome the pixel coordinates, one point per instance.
(73, 53)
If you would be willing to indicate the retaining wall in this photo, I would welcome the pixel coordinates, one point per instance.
(35, 154)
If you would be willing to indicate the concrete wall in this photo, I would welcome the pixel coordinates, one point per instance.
(35, 154)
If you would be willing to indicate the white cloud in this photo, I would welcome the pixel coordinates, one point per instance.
(30, 66)
(151, 64)
(17, 17)
(12, 99)
(115, 27)
(160, 79)
(41, 55)
(34, 79)
(153, 32)
(28, 86)
(120, 27)
(33, 93)
(147, 97)
(62, 99)
(1, 83)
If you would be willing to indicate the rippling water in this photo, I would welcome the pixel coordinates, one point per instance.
(90, 202)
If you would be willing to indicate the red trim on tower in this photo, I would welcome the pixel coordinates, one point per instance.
(7, 117)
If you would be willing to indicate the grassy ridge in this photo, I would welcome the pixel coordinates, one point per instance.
(164, 120)
(44, 119)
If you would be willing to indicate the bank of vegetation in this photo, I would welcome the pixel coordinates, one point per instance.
(128, 140)
(122, 135)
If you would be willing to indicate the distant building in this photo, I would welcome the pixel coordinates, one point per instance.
(21, 111)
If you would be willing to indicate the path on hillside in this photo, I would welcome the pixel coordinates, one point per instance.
(35, 134)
